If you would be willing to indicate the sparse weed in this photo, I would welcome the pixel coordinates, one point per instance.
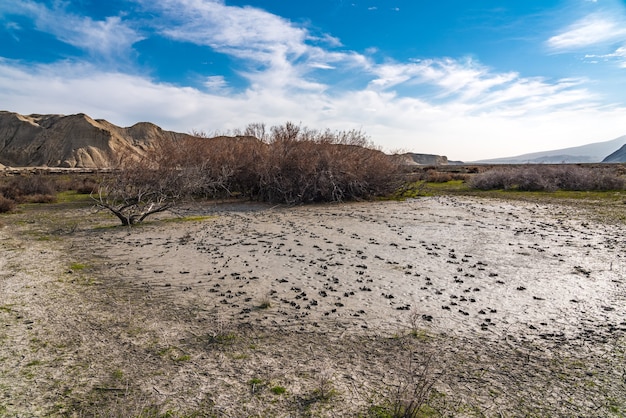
(325, 390)
(78, 266)
(7, 205)
(266, 302)
(256, 384)
(278, 390)
(411, 396)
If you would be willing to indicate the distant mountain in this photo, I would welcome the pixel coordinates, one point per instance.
(590, 153)
(74, 141)
(618, 156)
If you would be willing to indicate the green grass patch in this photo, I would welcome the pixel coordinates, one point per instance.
(71, 196)
(421, 335)
(78, 266)
(278, 390)
(225, 338)
(6, 308)
(452, 186)
(423, 188)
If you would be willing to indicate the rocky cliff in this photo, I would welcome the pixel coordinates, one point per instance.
(74, 141)
(422, 159)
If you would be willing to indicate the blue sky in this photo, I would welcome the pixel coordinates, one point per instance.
(467, 79)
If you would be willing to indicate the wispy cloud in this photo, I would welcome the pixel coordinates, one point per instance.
(479, 89)
(272, 49)
(216, 84)
(618, 56)
(110, 38)
(431, 105)
(591, 30)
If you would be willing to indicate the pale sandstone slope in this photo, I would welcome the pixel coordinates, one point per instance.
(73, 141)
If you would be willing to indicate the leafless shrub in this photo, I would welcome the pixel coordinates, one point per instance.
(532, 179)
(257, 130)
(292, 164)
(85, 185)
(7, 205)
(39, 198)
(230, 165)
(549, 178)
(22, 188)
(436, 176)
(413, 393)
(490, 180)
(587, 178)
(305, 165)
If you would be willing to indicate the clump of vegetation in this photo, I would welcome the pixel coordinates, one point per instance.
(32, 188)
(437, 176)
(278, 390)
(411, 397)
(40, 187)
(290, 165)
(549, 178)
(7, 205)
(293, 164)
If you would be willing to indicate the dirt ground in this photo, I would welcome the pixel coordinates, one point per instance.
(449, 306)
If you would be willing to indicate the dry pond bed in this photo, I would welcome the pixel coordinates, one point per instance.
(448, 306)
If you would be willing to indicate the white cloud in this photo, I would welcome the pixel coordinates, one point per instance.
(460, 129)
(274, 51)
(216, 84)
(590, 30)
(618, 56)
(478, 89)
(109, 38)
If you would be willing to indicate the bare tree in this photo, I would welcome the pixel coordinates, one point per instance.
(141, 187)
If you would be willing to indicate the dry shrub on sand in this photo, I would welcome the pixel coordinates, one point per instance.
(6, 205)
(549, 178)
(292, 164)
(34, 188)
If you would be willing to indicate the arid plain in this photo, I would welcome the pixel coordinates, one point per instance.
(469, 306)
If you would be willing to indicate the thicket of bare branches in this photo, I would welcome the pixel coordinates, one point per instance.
(30, 189)
(285, 164)
(549, 178)
(292, 164)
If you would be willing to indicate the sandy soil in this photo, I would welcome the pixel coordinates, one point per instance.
(504, 308)
(465, 265)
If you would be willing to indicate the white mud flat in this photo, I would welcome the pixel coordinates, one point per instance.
(452, 265)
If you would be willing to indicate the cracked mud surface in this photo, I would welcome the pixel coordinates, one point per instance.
(512, 308)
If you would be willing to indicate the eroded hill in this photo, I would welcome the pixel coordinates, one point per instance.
(74, 141)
